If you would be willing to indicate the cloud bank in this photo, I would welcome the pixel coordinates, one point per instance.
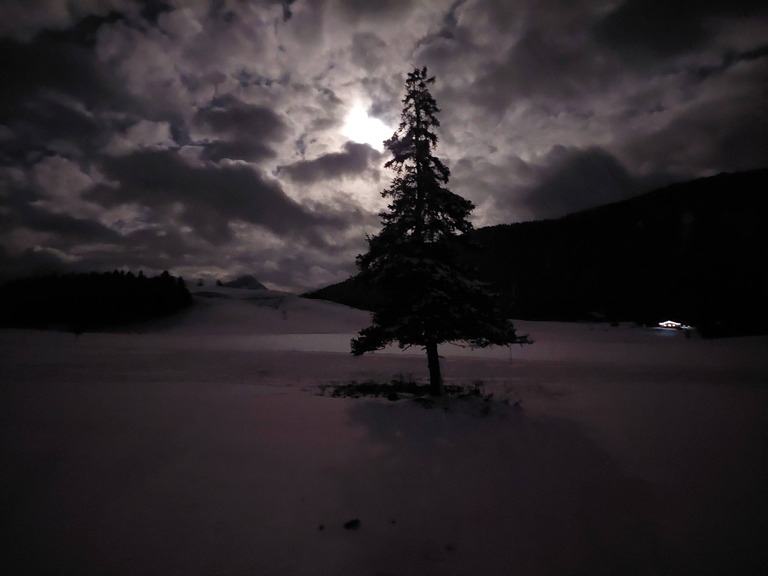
(207, 137)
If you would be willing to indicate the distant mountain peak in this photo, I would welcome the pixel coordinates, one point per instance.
(247, 282)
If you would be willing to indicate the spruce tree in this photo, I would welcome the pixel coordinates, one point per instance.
(429, 295)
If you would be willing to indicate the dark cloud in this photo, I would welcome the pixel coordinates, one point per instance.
(68, 230)
(368, 51)
(445, 47)
(644, 31)
(724, 134)
(242, 131)
(52, 64)
(228, 115)
(170, 248)
(151, 9)
(552, 57)
(50, 123)
(537, 65)
(571, 180)
(53, 235)
(245, 149)
(57, 95)
(382, 9)
(211, 195)
(286, 6)
(78, 21)
(354, 160)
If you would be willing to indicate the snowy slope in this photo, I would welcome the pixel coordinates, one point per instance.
(280, 321)
(220, 310)
(201, 447)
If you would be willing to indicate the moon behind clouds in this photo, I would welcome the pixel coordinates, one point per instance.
(364, 129)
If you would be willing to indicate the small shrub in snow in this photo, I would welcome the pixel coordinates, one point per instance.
(419, 393)
(353, 524)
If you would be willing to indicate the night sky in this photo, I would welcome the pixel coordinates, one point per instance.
(218, 138)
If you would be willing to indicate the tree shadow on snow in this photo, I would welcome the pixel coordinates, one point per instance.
(501, 492)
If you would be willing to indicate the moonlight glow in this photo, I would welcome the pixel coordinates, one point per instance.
(364, 129)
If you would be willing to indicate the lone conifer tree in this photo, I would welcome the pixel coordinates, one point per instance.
(429, 296)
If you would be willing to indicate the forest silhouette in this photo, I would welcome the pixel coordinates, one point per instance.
(81, 302)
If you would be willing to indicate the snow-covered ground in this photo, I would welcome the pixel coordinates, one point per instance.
(200, 446)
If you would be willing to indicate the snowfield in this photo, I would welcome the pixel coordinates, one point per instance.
(200, 446)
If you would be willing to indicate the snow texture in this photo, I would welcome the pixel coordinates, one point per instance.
(201, 446)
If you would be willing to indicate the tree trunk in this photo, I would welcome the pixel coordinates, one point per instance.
(435, 379)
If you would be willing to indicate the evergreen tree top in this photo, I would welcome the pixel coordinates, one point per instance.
(417, 119)
(422, 208)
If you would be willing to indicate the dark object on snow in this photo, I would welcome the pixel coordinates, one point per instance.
(352, 524)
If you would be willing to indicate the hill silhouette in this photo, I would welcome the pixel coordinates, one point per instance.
(247, 282)
(692, 251)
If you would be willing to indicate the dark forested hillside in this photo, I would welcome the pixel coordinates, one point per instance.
(693, 251)
(82, 302)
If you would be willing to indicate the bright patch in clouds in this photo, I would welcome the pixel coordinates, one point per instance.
(364, 129)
